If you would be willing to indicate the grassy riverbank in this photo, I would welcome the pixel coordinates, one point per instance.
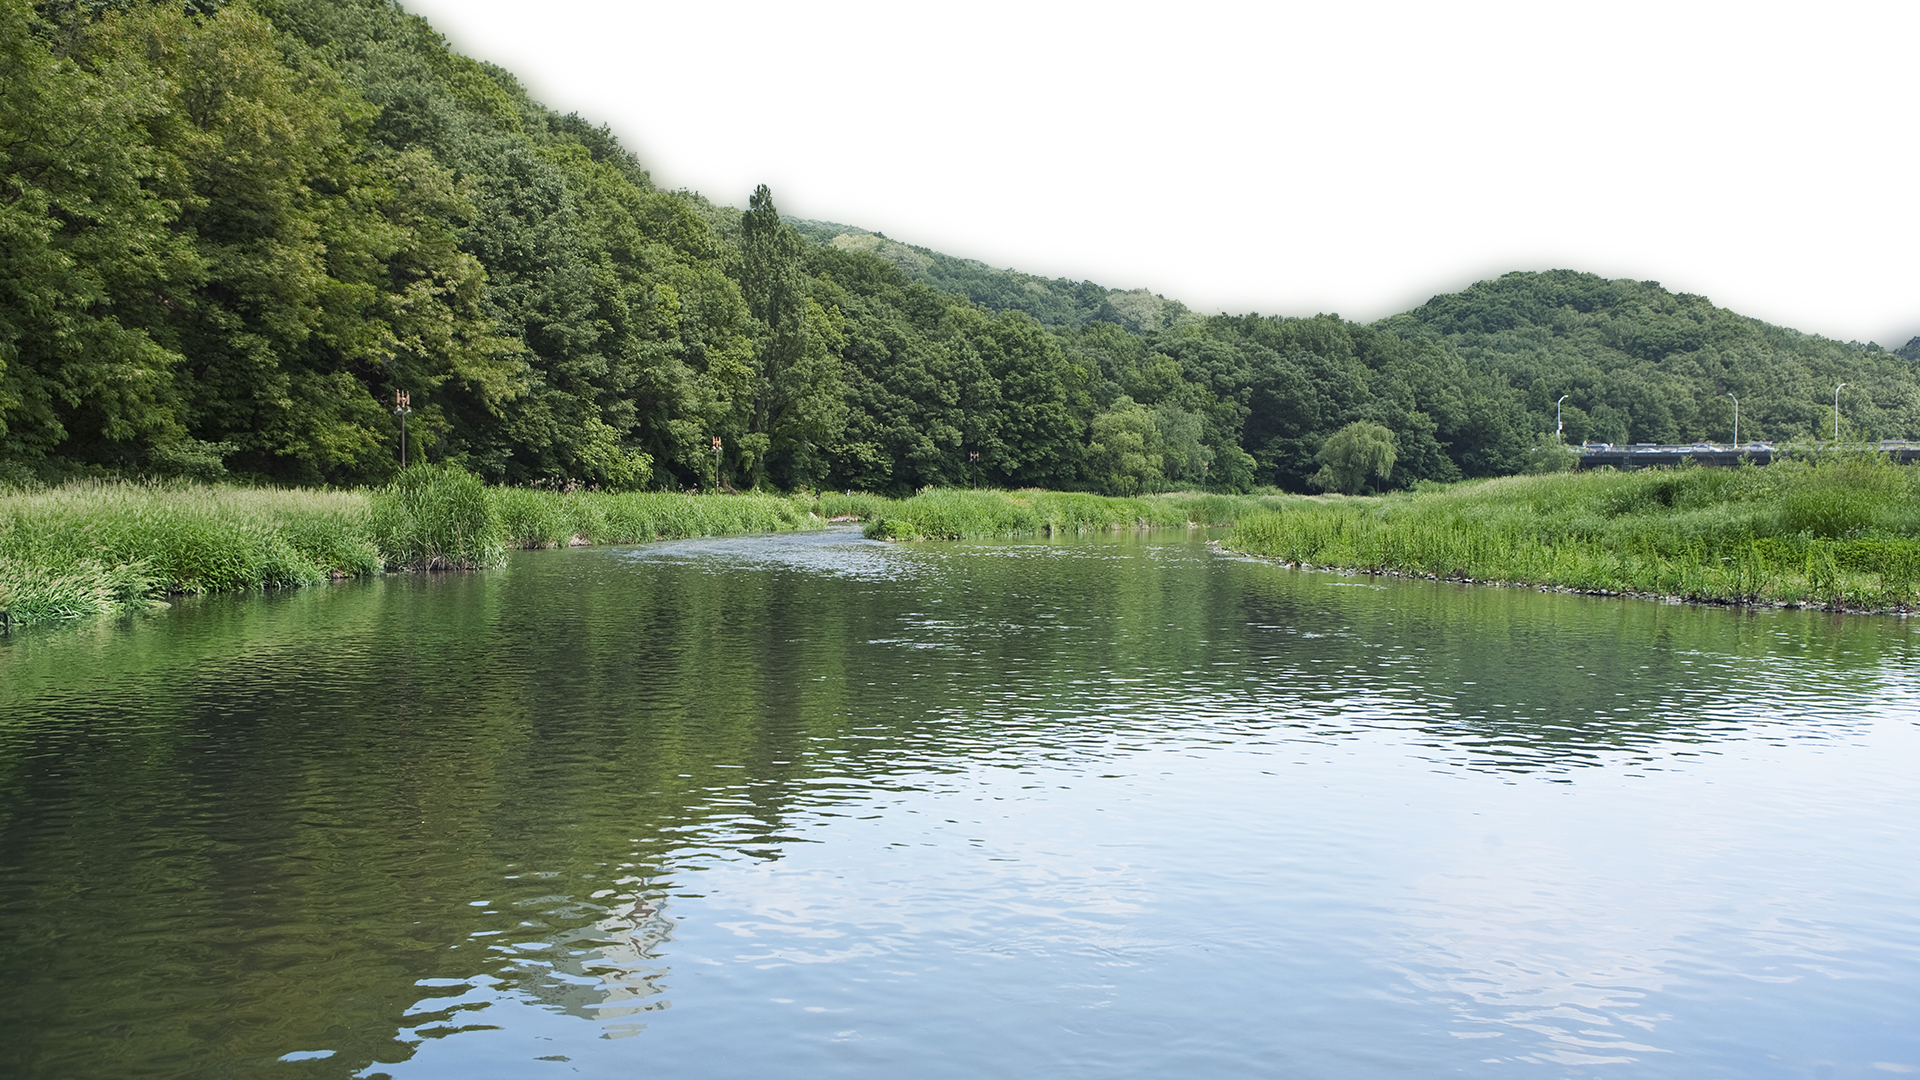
(961, 514)
(99, 548)
(1843, 534)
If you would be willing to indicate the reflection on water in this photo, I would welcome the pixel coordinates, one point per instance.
(817, 805)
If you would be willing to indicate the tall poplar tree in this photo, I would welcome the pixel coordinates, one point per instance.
(799, 398)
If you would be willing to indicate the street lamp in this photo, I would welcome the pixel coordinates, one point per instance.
(1558, 427)
(1736, 421)
(402, 408)
(1836, 412)
(716, 463)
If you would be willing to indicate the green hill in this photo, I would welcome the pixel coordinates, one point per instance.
(277, 215)
(1056, 303)
(1641, 364)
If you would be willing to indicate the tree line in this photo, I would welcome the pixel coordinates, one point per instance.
(230, 232)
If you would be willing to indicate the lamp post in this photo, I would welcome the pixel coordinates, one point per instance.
(402, 408)
(1736, 421)
(1836, 412)
(973, 468)
(1559, 428)
(716, 463)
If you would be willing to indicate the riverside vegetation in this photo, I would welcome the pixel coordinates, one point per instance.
(1842, 533)
(95, 548)
(959, 514)
(1839, 532)
(100, 547)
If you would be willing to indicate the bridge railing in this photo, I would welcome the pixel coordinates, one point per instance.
(1644, 455)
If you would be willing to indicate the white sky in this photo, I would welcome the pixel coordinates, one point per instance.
(1287, 158)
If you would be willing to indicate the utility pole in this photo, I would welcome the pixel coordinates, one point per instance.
(402, 408)
(1836, 412)
(1559, 428)
(716, 463)
(1736, 421)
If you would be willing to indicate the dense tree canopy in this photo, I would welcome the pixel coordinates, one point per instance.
(229, 232)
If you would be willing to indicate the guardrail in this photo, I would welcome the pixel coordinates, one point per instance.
(1650, 455)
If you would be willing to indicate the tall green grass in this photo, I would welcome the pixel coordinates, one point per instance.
(539, 519)
(960, 514)
(1840, 533)
(96, 548)
(177, 538)
(435, 517)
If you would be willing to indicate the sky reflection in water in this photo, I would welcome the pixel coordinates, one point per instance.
(819, 806)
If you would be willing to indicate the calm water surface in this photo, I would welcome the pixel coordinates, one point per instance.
(814, 806)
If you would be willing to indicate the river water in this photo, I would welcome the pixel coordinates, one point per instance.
(815, 806)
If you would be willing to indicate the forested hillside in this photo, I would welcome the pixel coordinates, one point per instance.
(1641, 364)
(229, 234)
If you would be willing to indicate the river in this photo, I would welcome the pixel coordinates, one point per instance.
(810, 805)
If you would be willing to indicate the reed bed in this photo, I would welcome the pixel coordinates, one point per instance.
(91, 548)
(538, 519)
(98, 548)
(1841, 534)
(962, 514)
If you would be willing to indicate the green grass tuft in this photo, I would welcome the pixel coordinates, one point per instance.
(435, 517)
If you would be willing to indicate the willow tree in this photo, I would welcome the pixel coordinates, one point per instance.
(1352, 454)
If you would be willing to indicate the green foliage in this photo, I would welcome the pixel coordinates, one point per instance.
(798, 400)
(1549, 455)
(1843, 533)
(252, 278)
(85, 251)
(1125, 454)
(1353, 454)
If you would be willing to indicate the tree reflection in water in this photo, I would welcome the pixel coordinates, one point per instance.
(381, 818)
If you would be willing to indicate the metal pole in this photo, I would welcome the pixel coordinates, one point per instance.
(1836, 412)
(716, 463)
(402, 405)
(1559, 428)
(1736, 420)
